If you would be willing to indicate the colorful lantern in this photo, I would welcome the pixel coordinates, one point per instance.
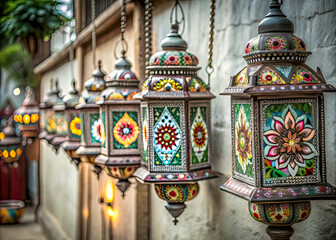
(175, 120)
(120, 153)
(10, 145)
(74, 132)
(28, 116)
(92, 132)
(278, 152)
(47, 113)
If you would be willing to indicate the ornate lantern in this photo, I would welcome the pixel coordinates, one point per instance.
(61, 126)
(10, 145)
(47, 113)
(120, 153)
(74, 132)
(28, 116)
(175, 112)
(278, 159)
(91, 125)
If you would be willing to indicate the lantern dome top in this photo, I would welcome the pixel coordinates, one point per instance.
(174, 52)
(276, 61)
(70, 100)
(93, 87)
(122, 83)
(53, 97)
(29, 104)
(10, 136)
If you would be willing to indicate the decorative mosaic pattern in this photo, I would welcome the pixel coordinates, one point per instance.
(299, 44)
(125, 130)
(289, 141)
(61, 124)
(285, 70)
(280, 213)
(10, 216)
(173, 177)
(75, 128)
(173, 58)
(27, 119)
(196, 84)
(10, 154)
(276, 43)
(167, 136)
(243, 140)
(168, 84)
(96, 124)
(122, 172)
(269, 77)
(302, 76)
(198, 135)
(177, 193)
(50, 124)
(252, 45)
(145, 155)
(241, 79)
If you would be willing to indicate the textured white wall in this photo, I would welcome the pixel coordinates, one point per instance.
(218, 215)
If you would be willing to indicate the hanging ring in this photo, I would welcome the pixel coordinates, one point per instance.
(209, 69)
(177, 6)
(124, 48)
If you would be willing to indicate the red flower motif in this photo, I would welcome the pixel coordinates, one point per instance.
(166, 136)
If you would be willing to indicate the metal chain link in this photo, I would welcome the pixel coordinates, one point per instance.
(93, 17)
(148, 33)
(123, 19)
(209, 69)
(71, 58)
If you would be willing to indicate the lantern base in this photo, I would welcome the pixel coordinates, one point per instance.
(280, 232)
(77, 161)
(49, 137)
(123, 185)
(175, 209)
(97, 169)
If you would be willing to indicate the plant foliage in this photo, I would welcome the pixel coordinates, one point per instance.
(17, 63)
(24, 18)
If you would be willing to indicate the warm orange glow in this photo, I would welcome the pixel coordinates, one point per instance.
(5, 154)
(85, 213)
(18, 151)
(12, 153)
(19, 118)
(110, 211)
(109, 191)
(34, 118)
(2, 135)
(26, 118)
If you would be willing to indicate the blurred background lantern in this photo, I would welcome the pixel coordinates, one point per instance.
(10, 145)
(47, 113)
(175, 111)
(120, 153)
(278, 155)
(74, 132)
(27, 116)
(92, 132)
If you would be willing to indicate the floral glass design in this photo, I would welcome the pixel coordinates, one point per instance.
(289, 140)
(167, 136)
(176, 58)
(103, 141)
(243, 140)
(96, 124)
(75, 127)
(304, 76)
(125, 130)
(299, 44)
(198, 135)
(61, 124)
(196, 84)
(268, 77)
(241, 79)
(168, 84)
(276, 43)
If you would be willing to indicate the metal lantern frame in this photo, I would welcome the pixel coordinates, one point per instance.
(176, 124)
(28, 116)
(91, 124)
(11, 148)
(74, 132)
(277, 122)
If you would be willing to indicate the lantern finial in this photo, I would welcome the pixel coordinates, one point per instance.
(275, 20)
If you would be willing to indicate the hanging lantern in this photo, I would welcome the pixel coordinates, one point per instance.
(278, 156)
(74, 132)
(48, 115)
(28, 116)
(175, 111)
(92, 126)
(10, 145)
(120, 152)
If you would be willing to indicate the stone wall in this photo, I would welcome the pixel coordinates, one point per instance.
(218, 215)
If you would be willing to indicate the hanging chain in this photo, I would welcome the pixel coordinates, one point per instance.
(122, 41)
(209, 69)
(148, 33)
(71, 58)
(93, 17)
